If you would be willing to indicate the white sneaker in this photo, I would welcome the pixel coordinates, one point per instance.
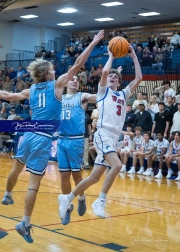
(146, 172)
(141, 170)
(64, 205)
(170, 172)
(123, 169)
(178, 178)
(149, 173)
(132, 170)
(98, 207)
(159, 175)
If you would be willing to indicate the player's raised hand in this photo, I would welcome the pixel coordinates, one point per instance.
(131, 53)
(98, 37)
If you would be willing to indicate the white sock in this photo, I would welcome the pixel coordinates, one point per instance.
(160, 170)
(81, 198)
(102, 195)
(133, 168)
(26, 219)
(142, 167)
(178, 173)
(151, 169)
(8, 194)
(123, 166)
(70, 197)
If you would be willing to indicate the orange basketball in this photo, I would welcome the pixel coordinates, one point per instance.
(119, 47)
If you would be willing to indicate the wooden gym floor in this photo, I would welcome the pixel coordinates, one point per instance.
(143, 214)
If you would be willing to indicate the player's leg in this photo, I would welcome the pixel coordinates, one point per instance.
(11, 182)
(141, 161)
(149, 171)
(178, 164)
(24, 227)
(168, 163)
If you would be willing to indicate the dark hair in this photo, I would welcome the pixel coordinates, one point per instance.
(129, 125)
(146, 132)
(166, 82)
(177, 132)
(160, 132)
(161, 103)
(129, 105)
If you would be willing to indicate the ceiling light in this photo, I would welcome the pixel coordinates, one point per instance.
(112, 4)
(103, 19)
(65, 24)
(29, 16)
(67, 10)
(146, 14)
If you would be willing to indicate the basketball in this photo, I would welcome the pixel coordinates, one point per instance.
(119, 47)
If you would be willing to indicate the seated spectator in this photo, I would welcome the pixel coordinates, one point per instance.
(158, 60)
(145, 153)
(82, 77)
(160, 148)
(139, 53)
(126, 147)
(38, 55)
(175, 122)
(26, 76)
(175, 40)
(20, 85)
(20, 72)
(99, 69)
(7, 86)
(146, 58)
(57, 72)
(143, 118)
(173, 155)
(161, 121)
(78, 50)
(135, 106)
(153, 106)
(152, 42)
(168, 91)
(94, 114)
(71, 51)
(12, 74)
(12, 114)
(64, 57)
(94, 81)
(136, 148)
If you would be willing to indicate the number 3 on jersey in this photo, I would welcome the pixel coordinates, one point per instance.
(118, 112)
(66, 114)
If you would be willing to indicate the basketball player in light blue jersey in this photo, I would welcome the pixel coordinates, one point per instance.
(112, 111)
(45, 101)
(71, 141)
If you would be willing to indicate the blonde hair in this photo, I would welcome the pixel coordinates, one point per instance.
(39, 69)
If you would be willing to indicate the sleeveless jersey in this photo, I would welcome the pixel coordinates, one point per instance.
(112, 109)
(148, 146)
(127, 142)
(44, 103)
(160, 146)
(176, 147)
(72, 116)
(138, 142)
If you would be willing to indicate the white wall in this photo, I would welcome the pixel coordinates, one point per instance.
(25, 37)
(6, 38)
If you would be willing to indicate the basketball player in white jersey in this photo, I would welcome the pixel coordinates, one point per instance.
(112, 111)
(126, 147)
(136, 148)
(160, 148)
(173, 155)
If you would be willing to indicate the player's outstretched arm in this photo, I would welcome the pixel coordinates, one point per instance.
(14, 96)
(106, 69)
(63, 79)
(138, 74)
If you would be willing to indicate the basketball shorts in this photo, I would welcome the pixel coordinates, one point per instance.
(104, 142)
(34, 151)
(70, 154)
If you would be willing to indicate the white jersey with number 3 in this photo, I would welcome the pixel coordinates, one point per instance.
(112, 109)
